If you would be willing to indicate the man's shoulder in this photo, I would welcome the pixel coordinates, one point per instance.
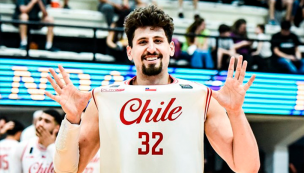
(187, 83)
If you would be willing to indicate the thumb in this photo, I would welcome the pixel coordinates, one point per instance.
(89, 95)
(215, 95)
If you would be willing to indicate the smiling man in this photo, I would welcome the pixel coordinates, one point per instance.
(153, 122)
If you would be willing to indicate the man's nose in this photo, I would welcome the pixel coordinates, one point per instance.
(151, 47)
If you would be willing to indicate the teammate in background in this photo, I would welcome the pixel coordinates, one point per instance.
(9, 143)
(154, 122)
(36, 154)
(30, 131)
(5, 125)
(94, 164)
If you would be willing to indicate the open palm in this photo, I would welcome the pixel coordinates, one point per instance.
(232, 95)
(69, 97)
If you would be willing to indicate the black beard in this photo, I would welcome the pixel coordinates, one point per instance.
(151, 70)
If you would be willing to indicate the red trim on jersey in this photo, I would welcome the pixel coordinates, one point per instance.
(40, 147)
(208, 98)
(94, 98)
(24, 151)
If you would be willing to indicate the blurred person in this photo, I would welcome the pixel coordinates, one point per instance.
(36, 154)
(28, 10)
(285, 47)
(225, 46)
(263, 49)
(116, 40)
(111, 7)
(241, 45)
(5, 125)
(197, 47)
(8, 144)
(297, 12)
(141, 3)
(171, 113)
(181, 10)
(30, 131)
(282, 3)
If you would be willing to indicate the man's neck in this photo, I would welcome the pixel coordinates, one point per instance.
(152, 80)
(10, 137)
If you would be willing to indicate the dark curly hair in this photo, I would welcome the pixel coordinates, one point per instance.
(148, 16)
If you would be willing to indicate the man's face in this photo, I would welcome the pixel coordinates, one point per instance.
(47, 122)
(151, 51)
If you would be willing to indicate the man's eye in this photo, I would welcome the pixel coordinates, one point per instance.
(158, 41)
(142, 42)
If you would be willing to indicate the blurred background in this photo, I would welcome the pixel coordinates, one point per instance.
(87, 38)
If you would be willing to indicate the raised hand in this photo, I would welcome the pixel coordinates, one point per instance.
(69, 97)
(8, 126)
(45, 137)
(232, 95)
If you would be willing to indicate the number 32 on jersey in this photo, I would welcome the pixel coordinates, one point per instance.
(146, 145)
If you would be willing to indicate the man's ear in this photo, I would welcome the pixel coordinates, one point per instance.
(172, 48)
(129, 50)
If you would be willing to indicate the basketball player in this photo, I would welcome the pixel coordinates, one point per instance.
(154, 122)
(36, 154)
(9, 143)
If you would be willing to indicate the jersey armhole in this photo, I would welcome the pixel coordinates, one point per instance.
(23, 152)
(94, 98)
(208, 98)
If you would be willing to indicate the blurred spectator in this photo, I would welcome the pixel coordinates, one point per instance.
(28, 10)
(111, 7)
(116, 41)
(5, 125)
(30, 131)
(181, 10)
(9, 143)
(66, 4)
(197, 48)
(241, 44)
(262, 49)
(285, 50)
(280, 4)
(225, 46)
(36, 155)
(298, 12)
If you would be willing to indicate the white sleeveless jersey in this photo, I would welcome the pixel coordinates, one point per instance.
(94, 164)
(152, 129)
(31, 157)
(6, 147)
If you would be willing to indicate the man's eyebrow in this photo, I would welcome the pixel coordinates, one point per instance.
(142, 38)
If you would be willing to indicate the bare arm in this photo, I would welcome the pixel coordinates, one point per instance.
(298, 53)
(28, 7)
(89, 136)
(42, 8)
(259, 48)
(282, 54)
(231, 135)
(241, 44)
(110, 38)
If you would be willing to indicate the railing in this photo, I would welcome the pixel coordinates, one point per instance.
(31, 23)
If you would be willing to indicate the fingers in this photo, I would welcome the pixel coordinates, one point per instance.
(238, 67)
(249, 83)
(55, 98)
(243, 72)
(231, 68)
(54, 85)
(64, 75)
(57, 79)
